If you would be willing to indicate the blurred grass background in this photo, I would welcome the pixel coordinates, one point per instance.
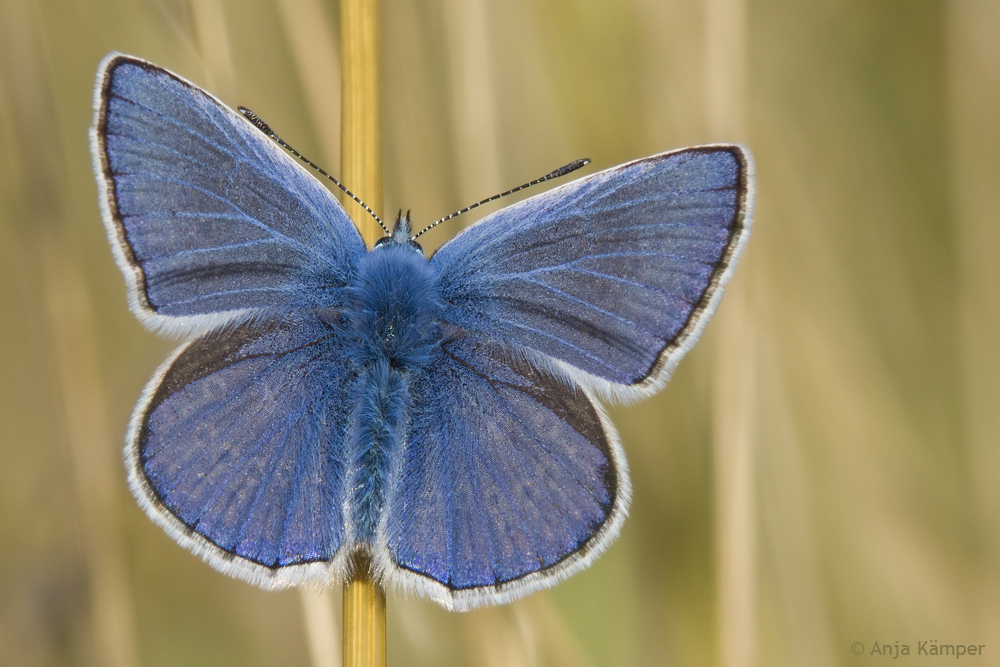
(862, 373)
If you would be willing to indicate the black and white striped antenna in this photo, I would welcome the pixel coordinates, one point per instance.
(561, 171)
(266, 129)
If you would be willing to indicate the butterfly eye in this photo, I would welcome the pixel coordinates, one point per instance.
(388, 240)
(400, 235)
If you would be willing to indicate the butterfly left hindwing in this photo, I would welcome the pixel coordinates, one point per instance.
(237, 449)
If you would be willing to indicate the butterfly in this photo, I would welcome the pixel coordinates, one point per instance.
(440, 416)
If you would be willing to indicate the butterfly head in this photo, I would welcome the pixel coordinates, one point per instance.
(401, 234)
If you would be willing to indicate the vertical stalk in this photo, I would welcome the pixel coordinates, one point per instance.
(361, 170)
(361, 110)
(364, 618)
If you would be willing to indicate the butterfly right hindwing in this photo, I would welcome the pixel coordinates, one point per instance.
(509, 479)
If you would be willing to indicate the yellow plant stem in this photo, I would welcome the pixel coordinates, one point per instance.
(361, 114)
(361, 171)
(364, 618)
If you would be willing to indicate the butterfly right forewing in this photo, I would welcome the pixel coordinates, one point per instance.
(611, 277)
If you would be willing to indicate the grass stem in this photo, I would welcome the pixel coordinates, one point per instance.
(361, 167)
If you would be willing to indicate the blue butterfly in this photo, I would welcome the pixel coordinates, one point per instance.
(437, 415)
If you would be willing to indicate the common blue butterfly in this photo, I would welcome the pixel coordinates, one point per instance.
(438, 415)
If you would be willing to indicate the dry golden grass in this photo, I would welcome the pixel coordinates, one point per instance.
(863, 504)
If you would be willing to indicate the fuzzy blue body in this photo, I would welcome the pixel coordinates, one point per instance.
(395, 327)
(436, 414)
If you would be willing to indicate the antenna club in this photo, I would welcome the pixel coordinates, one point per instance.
(562, 171)
(255, 119)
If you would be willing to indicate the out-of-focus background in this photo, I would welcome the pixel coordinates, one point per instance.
(821, 475)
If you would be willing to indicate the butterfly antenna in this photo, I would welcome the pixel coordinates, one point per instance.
(561, 171)
(266, 129)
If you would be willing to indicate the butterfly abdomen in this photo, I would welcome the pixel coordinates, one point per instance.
(395, 330)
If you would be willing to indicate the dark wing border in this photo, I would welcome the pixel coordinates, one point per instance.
(672, 353)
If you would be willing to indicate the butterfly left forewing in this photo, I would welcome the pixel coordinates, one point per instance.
(509, 480)
(208, 218)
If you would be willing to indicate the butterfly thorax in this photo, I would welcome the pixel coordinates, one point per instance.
(397, 306)
(395, 332)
